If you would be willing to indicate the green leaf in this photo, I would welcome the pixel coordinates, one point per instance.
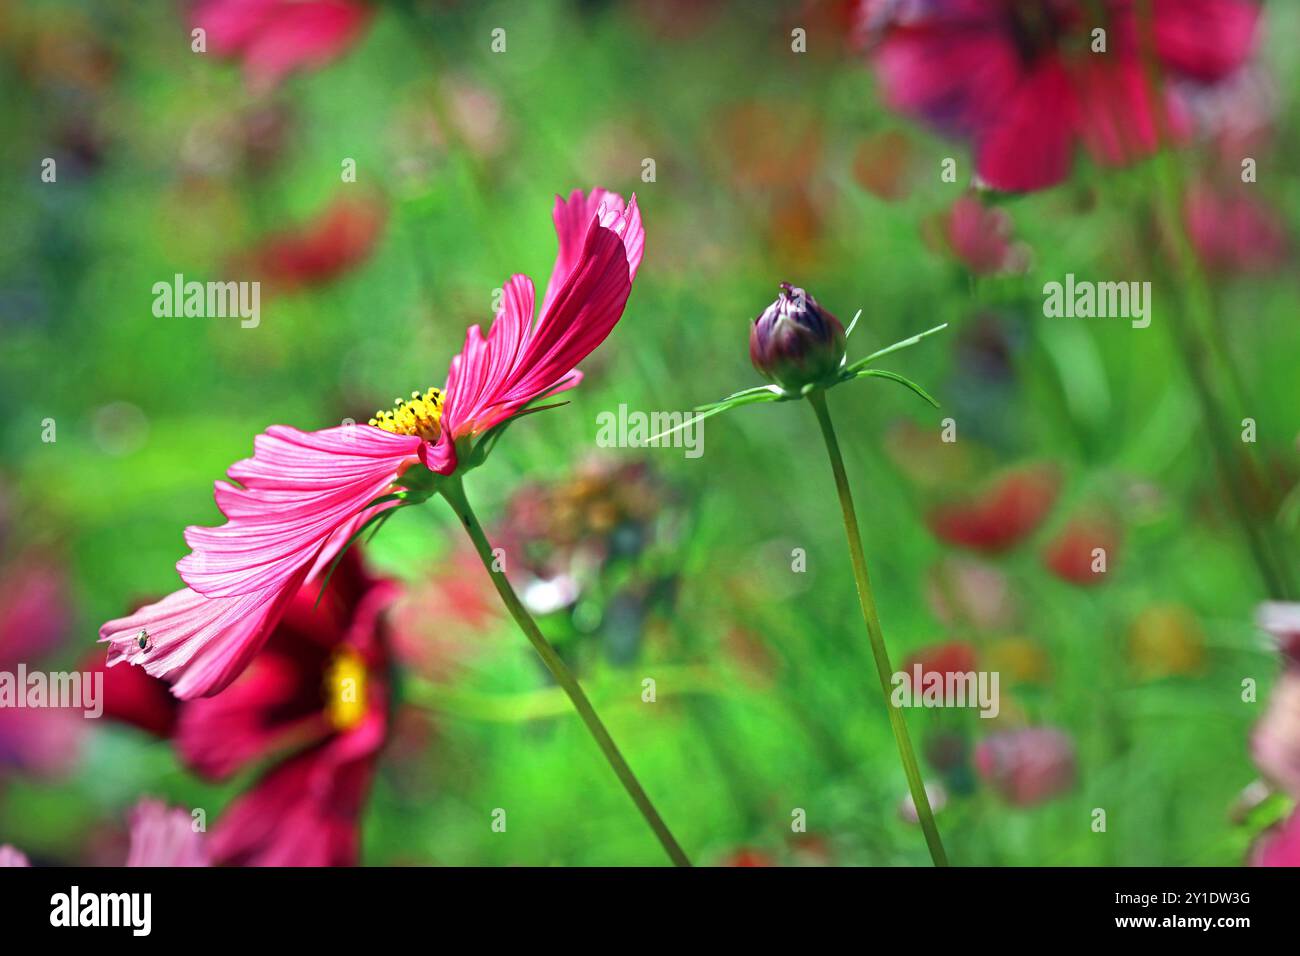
(900, 379)
(897, 346)
(750, 396)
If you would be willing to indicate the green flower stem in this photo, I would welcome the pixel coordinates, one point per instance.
(868, 601)
(454, 492)
(1194, 335)
(1199, 336)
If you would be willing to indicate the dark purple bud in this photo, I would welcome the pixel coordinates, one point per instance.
(795, 342)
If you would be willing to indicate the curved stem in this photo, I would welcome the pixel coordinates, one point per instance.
(868, 601)
(454, 492)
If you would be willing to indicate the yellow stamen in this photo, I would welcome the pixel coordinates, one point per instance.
(345, 690)
(417, 415)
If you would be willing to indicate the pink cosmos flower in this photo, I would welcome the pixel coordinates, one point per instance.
(163, 837)
(159, 837)
(34, 619)
(980, 238)
(1279, 845)
(1029, 765)
(1020, 79)
(317, 701)
(274, 38)
(493, 378)
(1275, 740)
(303, 495)
(1232, 232)
(12, 857)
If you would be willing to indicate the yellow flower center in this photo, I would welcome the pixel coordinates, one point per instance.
(417, 415)
(345, 690)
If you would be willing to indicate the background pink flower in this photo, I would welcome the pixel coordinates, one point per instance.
(273, 38)
(1232, 232)
(163, 837)
(1020, 80)
(1029, 765)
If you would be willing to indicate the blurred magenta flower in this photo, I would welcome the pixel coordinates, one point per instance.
(159, 837)
(964, 591)
(316, 700)
(12, 857)
(164, 837)
(1280, 845)
(1281, 619)
(305, 494)
(1029, 765)
(1002, 513)
(1020, 79)
(1275, 740)
(273, 38)
(314, 703)
(980, 238)
(34, 619)
(1231, 232)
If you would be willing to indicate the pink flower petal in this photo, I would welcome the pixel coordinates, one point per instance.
(493, 378)
(299, 489)
(1031, 144)
(9, 856)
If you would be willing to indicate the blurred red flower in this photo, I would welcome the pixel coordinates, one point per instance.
(313, 703)
(746, 857)
(1001, 514)
(1072, 554)
(953, 657)
(335, 241)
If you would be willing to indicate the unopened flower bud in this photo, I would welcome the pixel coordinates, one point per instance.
(795, 342)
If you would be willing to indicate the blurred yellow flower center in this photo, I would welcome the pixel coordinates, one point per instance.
(417, 415)
(345, 690)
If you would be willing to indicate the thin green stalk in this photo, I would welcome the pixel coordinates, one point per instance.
(1198, 319)
(878, 651)
(454, 492)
